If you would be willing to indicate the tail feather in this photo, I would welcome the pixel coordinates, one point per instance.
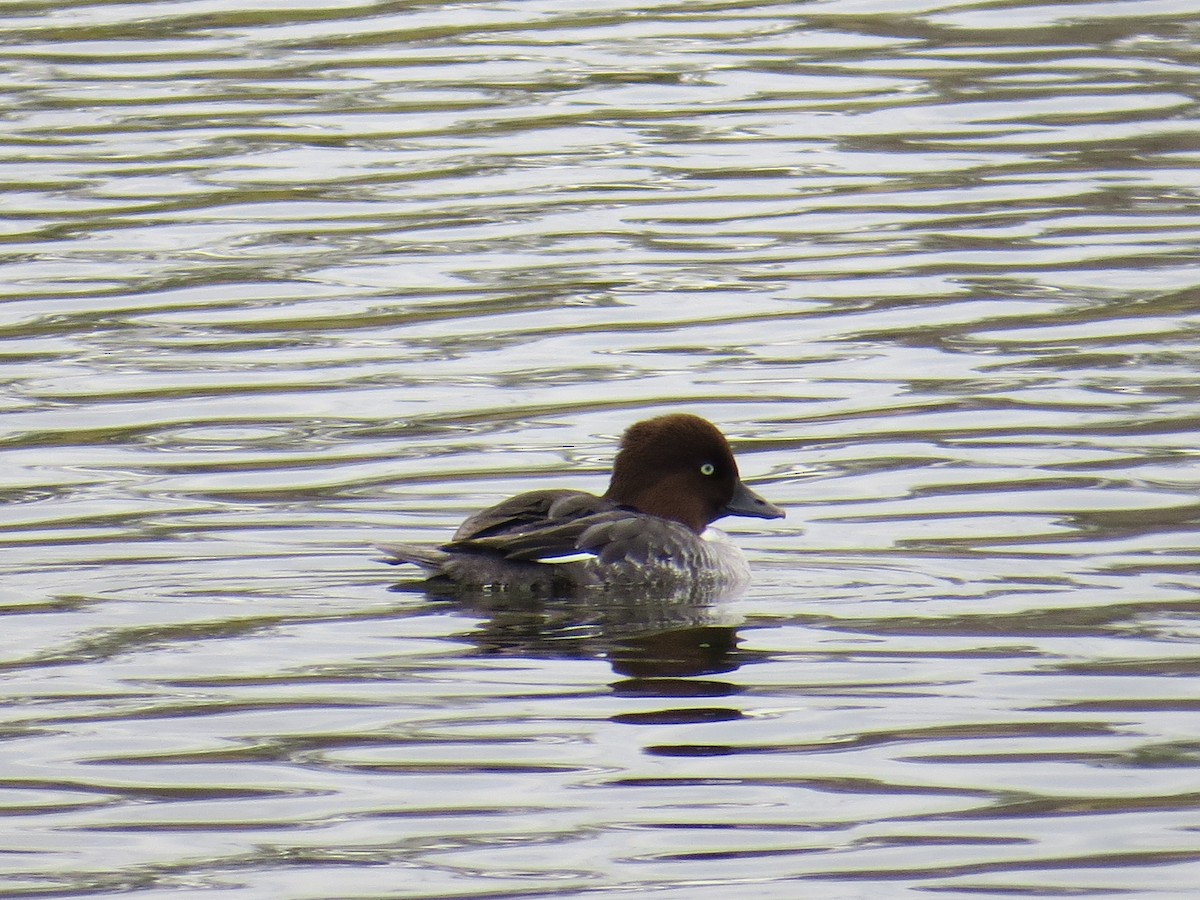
(430, 559)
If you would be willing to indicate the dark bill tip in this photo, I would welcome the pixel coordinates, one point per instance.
(747, 503)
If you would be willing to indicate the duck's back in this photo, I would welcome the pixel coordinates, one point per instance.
(505, 545)
(530, 511)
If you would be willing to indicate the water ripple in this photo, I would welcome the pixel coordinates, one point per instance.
(279, 282)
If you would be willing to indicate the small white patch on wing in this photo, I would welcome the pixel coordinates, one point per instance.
(581, 556)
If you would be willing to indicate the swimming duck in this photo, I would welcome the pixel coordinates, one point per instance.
(673, 476)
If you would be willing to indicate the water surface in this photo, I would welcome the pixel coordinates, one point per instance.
(276, 282)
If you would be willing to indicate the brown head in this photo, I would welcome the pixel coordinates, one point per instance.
(680, 467)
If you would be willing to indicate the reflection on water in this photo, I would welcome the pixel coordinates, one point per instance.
(643, 631)
(279, 283)
(642, 637)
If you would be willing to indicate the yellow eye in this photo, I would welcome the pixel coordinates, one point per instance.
(707, 469)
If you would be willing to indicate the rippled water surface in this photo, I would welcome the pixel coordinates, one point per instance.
(278, 280)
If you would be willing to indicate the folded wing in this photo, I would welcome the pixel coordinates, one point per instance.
(559, 525)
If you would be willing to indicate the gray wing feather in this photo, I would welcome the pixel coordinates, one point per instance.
(524, 511)
(641, 540)
(547, 524)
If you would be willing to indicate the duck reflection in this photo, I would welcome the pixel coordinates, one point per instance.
(647, 635)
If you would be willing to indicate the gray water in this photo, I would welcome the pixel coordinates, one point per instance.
(282, 279)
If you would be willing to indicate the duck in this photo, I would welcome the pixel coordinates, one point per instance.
(673, 476)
